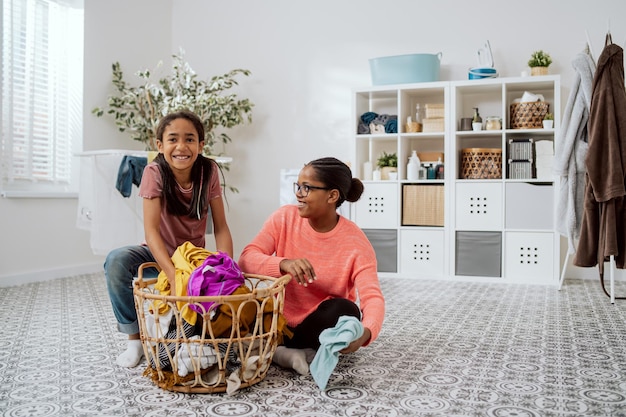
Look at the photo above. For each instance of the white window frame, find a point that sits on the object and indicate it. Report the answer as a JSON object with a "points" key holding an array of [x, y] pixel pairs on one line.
{"points": [[42, 97]]}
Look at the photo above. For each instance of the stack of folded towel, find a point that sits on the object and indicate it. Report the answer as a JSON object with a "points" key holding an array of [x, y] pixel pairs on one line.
{"points": [[544, 155]]}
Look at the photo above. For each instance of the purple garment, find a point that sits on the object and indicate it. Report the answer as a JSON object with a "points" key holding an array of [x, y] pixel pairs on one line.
{"points": [[218, 275]]}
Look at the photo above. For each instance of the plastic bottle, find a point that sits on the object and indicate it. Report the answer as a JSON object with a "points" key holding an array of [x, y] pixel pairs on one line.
{"points": [[439, 169], [430, 172], [477, 118], [413, 167], [477, 121]]}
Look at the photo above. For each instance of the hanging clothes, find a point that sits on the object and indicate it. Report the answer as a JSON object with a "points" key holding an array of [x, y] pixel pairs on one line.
{"points": [[571, 150], [603, 227]]}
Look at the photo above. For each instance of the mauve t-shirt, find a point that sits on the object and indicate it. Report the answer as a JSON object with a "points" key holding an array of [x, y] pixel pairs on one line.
{"points": [[176, 230]]}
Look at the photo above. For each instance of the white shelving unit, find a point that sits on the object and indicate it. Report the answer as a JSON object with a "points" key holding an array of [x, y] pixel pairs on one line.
{"points": [[490, 228]]}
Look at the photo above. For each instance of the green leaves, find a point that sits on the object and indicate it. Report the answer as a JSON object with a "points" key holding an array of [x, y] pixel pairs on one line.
{"points": [[138, 109], [540, 59], [387, 160]]}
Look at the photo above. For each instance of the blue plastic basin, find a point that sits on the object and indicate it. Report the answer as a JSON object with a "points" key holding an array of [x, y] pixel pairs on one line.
{"points": [[478, 73], [403, 69]]}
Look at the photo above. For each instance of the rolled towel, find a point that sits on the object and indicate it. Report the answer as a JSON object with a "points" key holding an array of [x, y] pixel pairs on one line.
{"points": [[391, 126], [368, 117], [381, 119], [363, 129], [375, 128]]}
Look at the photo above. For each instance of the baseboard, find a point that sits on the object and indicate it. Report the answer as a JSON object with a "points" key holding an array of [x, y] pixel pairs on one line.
{"points": [[48, 274], [577, 272]]}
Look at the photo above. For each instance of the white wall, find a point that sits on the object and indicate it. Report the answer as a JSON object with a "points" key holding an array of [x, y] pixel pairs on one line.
{"points": [[38, 237], [305, 59]]}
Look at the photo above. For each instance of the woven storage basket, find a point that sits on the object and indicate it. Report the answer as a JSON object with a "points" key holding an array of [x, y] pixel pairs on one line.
{"points": [[481, 163], [528, 115], [433, 125], [434, 111], [236, 344], [422, 205]]}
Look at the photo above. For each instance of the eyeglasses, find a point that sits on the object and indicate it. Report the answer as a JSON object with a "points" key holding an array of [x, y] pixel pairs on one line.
{"points": [[305, 189]]}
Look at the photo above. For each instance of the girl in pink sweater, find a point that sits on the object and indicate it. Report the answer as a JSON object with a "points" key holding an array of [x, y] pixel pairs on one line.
{"points": [[329, 257]]}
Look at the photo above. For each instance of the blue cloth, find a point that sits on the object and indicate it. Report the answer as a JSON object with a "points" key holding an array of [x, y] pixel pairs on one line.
{"points": [[332, 340], [129, 173], [391, 126], [368, 117]]}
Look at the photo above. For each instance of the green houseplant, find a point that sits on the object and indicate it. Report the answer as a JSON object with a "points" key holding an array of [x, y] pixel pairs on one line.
{"points": [[548, 121], [387, 160], [539, 62], [138, 109], [388, 163]]}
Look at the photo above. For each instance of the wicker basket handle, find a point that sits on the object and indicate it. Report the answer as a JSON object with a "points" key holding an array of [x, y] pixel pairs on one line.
{"points": [[283, 280]]}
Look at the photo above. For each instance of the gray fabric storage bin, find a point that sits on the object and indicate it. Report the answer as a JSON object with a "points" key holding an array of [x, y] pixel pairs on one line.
{"points": [[385, 243], [479, 254]]}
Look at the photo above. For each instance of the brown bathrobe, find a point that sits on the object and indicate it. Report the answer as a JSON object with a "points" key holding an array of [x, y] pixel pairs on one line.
{"points": [[603, 226]]}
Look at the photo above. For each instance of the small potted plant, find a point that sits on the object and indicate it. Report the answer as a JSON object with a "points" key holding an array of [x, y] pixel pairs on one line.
{"points": [[548, 121], [388, 164], [539, 62]]}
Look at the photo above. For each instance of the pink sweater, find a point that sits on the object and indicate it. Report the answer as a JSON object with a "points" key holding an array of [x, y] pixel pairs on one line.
{"points": [[343, 258]]}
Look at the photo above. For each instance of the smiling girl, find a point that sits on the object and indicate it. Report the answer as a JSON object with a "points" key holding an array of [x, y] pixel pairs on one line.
{"points": [[331, 261], [177, 188]]}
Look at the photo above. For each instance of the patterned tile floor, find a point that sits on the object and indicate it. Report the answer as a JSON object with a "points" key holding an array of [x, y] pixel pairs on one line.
{"points": [[447, 349]]}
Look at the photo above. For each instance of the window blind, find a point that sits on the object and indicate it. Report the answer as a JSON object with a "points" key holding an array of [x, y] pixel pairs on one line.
{"points": [[42, 88]]}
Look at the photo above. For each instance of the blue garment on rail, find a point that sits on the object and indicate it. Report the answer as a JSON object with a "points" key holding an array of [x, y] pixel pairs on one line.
{"points": [[129, 173], [332, 340]]}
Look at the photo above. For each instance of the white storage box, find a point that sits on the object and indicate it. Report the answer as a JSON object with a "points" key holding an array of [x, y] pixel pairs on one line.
{"points": [[422, 252], [478, 206], [378, 207]]}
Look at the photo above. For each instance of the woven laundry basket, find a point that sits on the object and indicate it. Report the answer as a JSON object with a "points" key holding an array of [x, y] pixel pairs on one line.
{"points": [[528, 115], [481, 163], [226, 346]]}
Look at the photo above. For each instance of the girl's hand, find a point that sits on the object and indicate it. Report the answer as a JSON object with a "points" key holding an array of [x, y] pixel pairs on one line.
{"points": [[355, 345], [300, 269]]}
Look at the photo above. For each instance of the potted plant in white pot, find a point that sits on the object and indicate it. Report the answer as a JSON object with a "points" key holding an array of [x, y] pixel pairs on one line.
{"points": [[548, 121], [138, 109]]}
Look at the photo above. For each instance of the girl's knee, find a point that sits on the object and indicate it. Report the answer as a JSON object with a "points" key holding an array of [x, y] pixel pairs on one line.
{"points": [[341, 307], [117, 265]]}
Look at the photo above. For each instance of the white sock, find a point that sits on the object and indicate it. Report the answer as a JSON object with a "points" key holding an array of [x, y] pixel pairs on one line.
{"points": [[310, 354], [291, 358], [132, 355]]}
